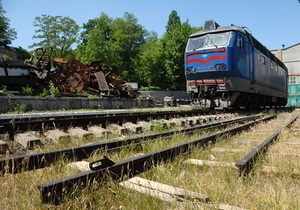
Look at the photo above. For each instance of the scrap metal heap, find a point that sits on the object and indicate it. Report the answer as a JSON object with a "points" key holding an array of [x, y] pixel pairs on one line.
{"points": [[72, 76]]}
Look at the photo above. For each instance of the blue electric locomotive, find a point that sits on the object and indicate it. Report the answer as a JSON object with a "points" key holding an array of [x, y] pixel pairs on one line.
{"points": [[228, 67]]}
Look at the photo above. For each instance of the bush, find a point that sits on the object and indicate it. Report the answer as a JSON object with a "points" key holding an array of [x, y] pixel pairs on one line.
{"points": [[149, 88], [54, 92], [28, 91]]}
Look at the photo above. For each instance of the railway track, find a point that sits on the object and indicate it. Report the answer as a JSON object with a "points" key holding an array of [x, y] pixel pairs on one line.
{"points": [[52, 192], [25, 132], [17, 164], [107, 168], [11, 124]]}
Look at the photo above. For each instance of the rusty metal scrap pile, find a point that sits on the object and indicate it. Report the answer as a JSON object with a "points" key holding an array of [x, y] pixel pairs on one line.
{"points": [[73, 76]]}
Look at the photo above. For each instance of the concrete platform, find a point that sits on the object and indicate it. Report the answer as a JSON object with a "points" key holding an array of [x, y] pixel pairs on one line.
{"points": [[69, 103], [27, 140]]}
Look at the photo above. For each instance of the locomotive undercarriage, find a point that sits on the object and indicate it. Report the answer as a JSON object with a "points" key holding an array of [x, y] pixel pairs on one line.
{"points": [[210, 97], [215, 97]]}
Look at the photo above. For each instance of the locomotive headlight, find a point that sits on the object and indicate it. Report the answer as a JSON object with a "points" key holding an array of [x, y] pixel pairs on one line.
{"points": [[218, 67], [191, 69], [221, 66]]}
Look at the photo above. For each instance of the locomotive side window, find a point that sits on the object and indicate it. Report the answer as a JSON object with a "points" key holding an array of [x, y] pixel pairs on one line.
{"points": [[258, 56], [263, 60], [240, 41], [271, 65]]}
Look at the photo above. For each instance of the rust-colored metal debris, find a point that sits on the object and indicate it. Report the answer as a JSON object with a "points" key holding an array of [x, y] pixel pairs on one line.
{"points": [[68, 76]]}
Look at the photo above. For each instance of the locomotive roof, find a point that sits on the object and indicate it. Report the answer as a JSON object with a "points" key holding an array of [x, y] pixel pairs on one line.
{"points": [[219, 29], [210, 26]]}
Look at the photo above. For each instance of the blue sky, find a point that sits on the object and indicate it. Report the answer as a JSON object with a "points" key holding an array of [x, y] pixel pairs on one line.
{"points": [[272, 22]]}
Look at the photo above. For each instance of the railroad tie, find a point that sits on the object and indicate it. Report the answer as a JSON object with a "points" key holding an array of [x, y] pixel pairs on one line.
{"points": [[198, 162], [79, 134], [173, 194], [57, 136], [27, 140], [98, 131], [116, 129], [146, 125], [162, 191], [133, 128], [3, 147]]}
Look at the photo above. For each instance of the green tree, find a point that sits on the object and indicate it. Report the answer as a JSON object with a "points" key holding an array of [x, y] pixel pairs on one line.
{"points": [[173, 20], [161, 63], [22, 54], [7, 34], [113, 41], [174, 43], [57, 32], [149, 64], [126, 40], [94, 41]]}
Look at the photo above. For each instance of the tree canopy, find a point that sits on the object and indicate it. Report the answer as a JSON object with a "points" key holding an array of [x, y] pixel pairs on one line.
{"points": [[162, 62], [137, 55], [55, 31], [7, 34], [113, 41]]}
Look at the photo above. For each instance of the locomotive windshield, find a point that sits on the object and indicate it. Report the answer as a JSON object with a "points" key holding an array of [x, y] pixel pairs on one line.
{"points": [[208, 41]]}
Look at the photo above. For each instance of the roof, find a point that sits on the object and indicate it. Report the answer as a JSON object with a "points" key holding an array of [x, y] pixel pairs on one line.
{"points": [[287, 48], [219, 29], [291, 46]]}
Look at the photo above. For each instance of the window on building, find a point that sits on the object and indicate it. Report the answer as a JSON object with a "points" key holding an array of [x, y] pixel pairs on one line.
{"points": [[297, 80], [292, 80]]}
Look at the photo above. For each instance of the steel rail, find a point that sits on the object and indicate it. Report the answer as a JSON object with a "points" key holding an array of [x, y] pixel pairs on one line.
{"points": [[53, 192], [64, 115], [41, 160], [245, 165]]}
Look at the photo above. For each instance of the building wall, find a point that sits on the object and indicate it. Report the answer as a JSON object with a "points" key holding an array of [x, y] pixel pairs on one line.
{"points": [[290, 56]]}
